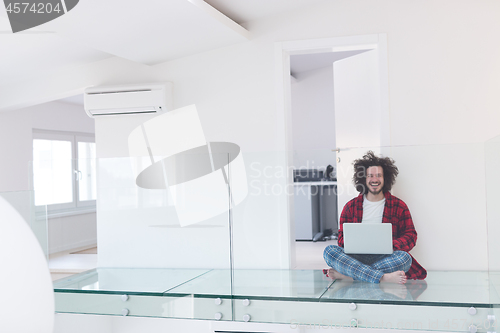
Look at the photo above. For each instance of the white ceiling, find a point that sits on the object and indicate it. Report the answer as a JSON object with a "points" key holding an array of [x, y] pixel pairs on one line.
{"points": [[243, 11], [150, 33], [78, 100]]}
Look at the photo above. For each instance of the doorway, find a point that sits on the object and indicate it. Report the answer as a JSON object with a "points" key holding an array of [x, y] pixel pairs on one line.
{"points": [[334, 106]]}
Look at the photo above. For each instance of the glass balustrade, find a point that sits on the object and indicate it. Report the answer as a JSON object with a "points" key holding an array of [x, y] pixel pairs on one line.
{"points": [[211, 235], [35, 216], [492, 167]]}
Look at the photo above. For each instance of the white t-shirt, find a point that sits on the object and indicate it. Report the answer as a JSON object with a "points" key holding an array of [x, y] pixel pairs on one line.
{"points": [[373, 211]]}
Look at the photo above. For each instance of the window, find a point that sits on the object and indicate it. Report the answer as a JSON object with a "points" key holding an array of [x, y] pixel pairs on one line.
{"points": [[64, 170]]}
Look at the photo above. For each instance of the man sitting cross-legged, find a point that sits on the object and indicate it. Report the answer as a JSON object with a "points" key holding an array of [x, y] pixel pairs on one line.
{"points": [[373, 178]]}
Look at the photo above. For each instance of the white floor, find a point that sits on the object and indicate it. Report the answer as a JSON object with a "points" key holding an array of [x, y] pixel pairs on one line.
{"points": [[309, 255], [66, 263]]}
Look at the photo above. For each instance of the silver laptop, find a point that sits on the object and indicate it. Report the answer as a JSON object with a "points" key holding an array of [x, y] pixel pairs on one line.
{"points": [[367, 238]]}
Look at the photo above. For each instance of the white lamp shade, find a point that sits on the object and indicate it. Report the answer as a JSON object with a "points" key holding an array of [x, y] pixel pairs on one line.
{"points": [[200, 176], [27, 294]]}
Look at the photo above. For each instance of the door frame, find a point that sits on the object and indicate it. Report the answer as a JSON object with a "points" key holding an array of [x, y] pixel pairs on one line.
{"points": [[283, 51]]}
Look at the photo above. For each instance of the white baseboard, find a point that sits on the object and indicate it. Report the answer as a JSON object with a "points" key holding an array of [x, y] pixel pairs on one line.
{"points": [[77, 246]]}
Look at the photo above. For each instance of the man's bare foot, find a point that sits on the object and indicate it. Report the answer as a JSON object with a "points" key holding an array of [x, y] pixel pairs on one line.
{"points": [[336, 275], [394, 277]]}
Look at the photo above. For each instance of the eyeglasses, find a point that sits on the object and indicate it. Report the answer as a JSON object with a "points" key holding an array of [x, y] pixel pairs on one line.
{"points": [[378, 175]]}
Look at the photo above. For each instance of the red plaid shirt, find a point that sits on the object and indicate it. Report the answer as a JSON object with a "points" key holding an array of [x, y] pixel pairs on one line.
{"points": [[397, 213]]}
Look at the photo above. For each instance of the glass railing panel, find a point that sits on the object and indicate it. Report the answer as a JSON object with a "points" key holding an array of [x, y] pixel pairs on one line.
{"points": [[238, 240], [253, 283], [215, 283], [35, 217], [337, 315], [444, 187], [258, 182], [280, 284], [40, 226], [457, 288], [70, 219], [492, 167], [153, 281], [445, 196], [172, 213], [162, 222]]}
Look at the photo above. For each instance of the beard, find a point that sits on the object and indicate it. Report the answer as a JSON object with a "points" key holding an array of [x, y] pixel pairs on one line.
{"points": [[374, 192]]}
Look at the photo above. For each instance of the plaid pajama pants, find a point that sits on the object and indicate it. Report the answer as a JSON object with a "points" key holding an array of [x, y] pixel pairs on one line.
{"points": [[336, 258]]}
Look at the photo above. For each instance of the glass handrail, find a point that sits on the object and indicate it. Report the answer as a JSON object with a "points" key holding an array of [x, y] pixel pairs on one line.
{"points": [[247, 252]]}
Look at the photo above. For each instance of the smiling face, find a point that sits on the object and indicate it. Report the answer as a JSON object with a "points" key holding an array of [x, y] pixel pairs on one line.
{"points": [[375, 179]]}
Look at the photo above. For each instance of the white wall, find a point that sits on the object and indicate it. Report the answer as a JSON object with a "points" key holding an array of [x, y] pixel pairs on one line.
{"points": [[440, 92], [313, 118], [445, 189], [72, 232], [140, 227], [444, 76], [16, 149], [358, 115]]}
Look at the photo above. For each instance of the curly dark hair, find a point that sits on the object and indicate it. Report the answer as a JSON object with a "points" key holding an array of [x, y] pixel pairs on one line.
{"points": [[361, 165]]}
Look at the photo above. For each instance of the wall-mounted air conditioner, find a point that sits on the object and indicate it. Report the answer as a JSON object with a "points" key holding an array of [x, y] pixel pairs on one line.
{"points": [[128, 99]]}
